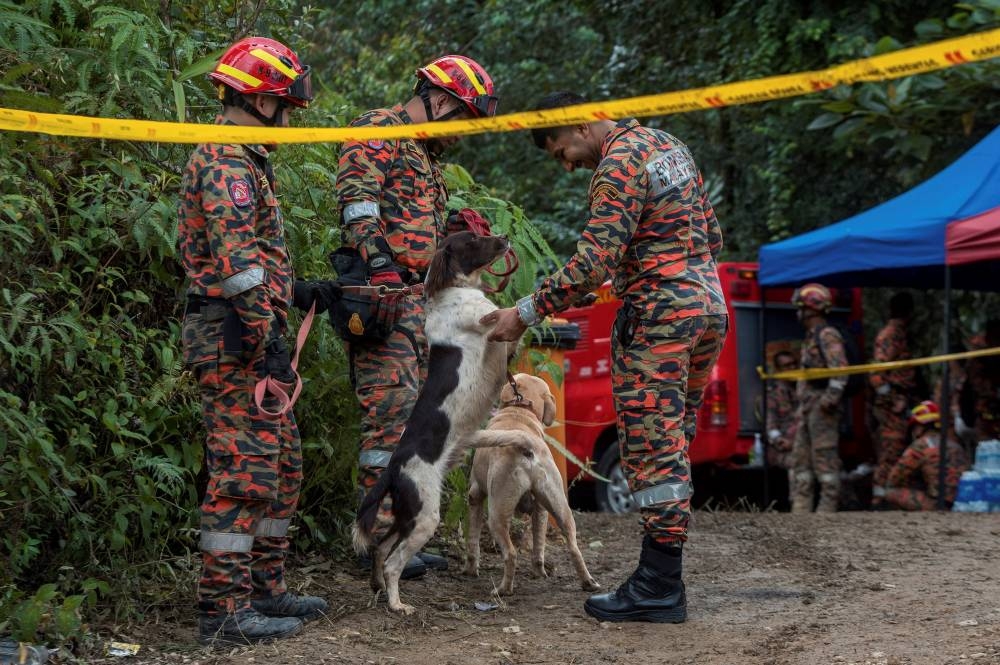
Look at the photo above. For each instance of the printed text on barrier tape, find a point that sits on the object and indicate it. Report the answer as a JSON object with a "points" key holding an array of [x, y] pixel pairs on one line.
{"points": [[827, 372], [905, 62]]}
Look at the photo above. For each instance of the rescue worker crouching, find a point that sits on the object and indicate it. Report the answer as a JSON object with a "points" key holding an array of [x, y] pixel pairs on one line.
{"points": [[392, 198], [913, 482], [815, 453], [232, 247]]}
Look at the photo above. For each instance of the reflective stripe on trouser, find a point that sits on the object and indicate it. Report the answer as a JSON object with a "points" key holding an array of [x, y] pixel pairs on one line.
{"points": [[255, 472], [910, 499], [658, 380], [387, 379], [890, 440], [815, 457]]}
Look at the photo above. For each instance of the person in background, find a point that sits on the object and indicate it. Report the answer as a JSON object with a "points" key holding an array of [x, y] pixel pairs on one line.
{"points": [[231, 243], [894, 391], [653, 231], [392, 198], [815, 454], [912, 483], [781, 407], [983, 385]]}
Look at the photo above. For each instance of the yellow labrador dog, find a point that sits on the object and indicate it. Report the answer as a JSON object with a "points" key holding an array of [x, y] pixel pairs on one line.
{"points": [[521, 477]]}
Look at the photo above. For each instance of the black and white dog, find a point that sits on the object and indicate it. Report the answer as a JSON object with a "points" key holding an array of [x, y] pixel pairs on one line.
{"points": [[465, 373]]}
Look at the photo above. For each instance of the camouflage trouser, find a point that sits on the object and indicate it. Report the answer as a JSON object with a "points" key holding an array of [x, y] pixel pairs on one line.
{"points": [[815, 456], [254, 475], [658, 378], [909, 499], [387, 378], [890, 438]]}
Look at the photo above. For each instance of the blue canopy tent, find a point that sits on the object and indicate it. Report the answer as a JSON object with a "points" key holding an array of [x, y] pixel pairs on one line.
{"points": [[914, 240], [901, 242]]}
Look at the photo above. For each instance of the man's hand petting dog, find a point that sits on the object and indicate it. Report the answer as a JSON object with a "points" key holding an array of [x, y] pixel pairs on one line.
{"points": [[509, 326]]}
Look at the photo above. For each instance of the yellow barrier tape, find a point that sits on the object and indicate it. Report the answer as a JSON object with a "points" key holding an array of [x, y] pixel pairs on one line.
{"points": [[905, 62], [827, 372]]}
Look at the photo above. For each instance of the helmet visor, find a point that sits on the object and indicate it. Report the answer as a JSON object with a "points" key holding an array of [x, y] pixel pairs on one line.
{"points": [[300, 91], [485, 105]]}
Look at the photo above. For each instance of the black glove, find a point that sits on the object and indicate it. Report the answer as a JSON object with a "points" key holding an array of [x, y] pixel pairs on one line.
{"points": [[277, 361], [323, 292]]}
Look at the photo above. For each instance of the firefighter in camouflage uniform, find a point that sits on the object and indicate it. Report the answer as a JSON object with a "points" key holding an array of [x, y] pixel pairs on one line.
{"points": [[781, 409], [231, 244], [815, 454], [912, 483], [392, 198], [653, 231], [893, 391]]}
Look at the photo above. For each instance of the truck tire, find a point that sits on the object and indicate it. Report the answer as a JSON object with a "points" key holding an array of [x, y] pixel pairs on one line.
{"points": [[613, 497]]}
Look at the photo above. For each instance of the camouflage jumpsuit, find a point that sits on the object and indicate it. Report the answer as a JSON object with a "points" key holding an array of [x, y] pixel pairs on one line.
{"points": [[815, 454], [891, 408], [781, 423], [231, 244], [983, 379], [392, 198], [912, 483], [653, 229]]}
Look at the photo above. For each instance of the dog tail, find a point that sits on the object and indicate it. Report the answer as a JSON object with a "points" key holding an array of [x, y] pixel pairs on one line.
{"points": [[504, 438], [364, 525]]}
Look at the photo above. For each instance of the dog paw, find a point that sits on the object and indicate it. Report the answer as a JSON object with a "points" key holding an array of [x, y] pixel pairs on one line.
{"points": [[538, 569], [403, 608], [471, 571], [590, 584]]}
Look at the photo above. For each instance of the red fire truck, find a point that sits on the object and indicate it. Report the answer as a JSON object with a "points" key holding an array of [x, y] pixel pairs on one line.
{"points": [[731, 413]]}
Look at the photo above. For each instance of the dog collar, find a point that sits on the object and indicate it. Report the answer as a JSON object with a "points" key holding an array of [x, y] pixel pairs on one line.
{"points": [[524, 403]]}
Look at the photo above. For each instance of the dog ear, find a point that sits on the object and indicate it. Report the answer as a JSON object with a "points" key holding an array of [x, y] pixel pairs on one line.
{"points": [[441, 274], [549, 413]]}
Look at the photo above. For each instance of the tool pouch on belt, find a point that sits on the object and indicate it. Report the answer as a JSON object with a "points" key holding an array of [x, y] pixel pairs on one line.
{"points": [[363, 313], [625, 324]]}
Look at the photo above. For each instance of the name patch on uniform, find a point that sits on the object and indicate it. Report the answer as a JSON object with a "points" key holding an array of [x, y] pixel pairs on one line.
{"points": [[671, 170], [239, 192]]}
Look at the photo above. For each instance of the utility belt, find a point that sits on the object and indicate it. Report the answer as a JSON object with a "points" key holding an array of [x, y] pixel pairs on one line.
{"points": [[366, 313]]}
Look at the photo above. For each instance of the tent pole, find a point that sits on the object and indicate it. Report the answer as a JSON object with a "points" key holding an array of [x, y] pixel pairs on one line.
{"points": [[945, 405], [765, 443]]}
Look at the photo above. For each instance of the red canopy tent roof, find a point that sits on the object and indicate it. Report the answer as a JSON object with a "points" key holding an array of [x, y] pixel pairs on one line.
{"points": [[972, 239]]}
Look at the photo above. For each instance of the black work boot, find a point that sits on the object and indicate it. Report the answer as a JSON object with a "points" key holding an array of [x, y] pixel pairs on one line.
{"points": [[415, 567], [654, 592], [245, 626], [288, 604], [433, 561]]}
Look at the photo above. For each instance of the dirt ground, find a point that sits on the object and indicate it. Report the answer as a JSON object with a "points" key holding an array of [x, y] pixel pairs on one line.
{"points": [[775, 588]]}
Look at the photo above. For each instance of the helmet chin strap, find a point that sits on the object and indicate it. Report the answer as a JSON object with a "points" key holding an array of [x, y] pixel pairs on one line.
{"points": [[425, 96], [268, 122]]}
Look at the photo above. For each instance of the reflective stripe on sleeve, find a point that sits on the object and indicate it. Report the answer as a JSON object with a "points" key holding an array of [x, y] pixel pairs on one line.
{"points": [[242, 281], [374, 458], [666, 492], [217, 541], [355, 211], [271, 528]]}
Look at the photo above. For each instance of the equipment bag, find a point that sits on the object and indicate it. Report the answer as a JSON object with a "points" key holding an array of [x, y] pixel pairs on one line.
{"points": [[364, 313]]}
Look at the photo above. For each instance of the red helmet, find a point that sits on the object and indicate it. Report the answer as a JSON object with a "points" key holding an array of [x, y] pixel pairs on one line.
{"points": [[261, 65], [813, 295], [465, 79], [925, 413]]}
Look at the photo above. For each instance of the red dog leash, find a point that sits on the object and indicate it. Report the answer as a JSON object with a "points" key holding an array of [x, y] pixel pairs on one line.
{"points": [[285, 393]]}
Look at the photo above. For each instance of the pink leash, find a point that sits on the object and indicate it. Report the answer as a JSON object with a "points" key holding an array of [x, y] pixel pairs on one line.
{"points": [[278, 389]]}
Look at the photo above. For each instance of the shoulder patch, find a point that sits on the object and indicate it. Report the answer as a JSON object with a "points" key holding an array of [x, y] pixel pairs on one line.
{"points": [[606, 191], [375, 144], [239, 192]]}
